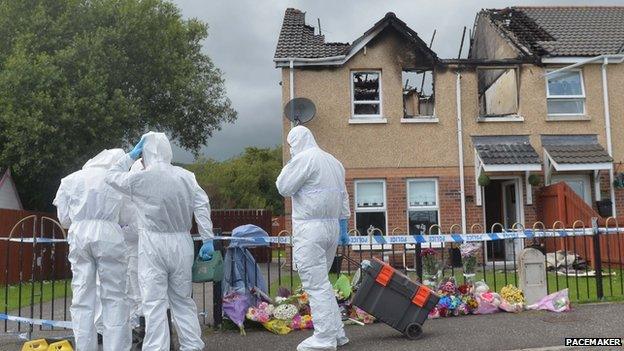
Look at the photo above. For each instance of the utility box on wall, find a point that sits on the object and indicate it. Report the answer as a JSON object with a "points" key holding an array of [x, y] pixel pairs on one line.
{"points": [[532, 274]]}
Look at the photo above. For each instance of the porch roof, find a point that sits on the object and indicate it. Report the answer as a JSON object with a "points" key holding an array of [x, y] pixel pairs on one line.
{"points": [[506, 153], [576, 152]]}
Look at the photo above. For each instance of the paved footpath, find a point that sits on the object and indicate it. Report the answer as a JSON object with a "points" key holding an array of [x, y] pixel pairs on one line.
{"points": [[534, 330], [501, 331]]}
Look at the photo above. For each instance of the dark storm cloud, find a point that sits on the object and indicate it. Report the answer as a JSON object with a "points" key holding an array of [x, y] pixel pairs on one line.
{"points": [[243, 34]]}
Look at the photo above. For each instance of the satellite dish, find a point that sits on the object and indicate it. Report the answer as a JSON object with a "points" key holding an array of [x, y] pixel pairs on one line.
{"points": [[300, 110]]}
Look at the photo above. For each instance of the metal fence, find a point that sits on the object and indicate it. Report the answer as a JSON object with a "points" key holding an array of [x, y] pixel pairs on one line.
{"points": [[37, 297]]}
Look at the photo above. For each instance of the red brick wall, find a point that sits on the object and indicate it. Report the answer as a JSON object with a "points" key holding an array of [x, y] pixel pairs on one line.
{"points": [[449, 198]]}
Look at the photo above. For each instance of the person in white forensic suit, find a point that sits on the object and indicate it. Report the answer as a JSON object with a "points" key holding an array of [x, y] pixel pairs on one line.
{"points": [[133, 294], [166, 197], [320, 210], [92, 210]]}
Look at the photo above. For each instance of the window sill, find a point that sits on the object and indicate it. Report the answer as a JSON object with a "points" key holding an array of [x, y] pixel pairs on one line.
{"points": [[557, 118], [420, 119], [368, 120], [510, 118]]}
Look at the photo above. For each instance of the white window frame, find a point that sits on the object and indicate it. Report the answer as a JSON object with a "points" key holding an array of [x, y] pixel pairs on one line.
{"points": [[411, 208], [366, 102], [567, 97], [357, 210]]}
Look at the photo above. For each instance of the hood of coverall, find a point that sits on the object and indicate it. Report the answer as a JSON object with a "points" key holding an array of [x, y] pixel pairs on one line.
{"points": [[104, 159], [300, 139], [156, 149]]}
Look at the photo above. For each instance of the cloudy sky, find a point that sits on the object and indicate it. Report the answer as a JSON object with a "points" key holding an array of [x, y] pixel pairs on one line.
{"points": [[243, 35]]}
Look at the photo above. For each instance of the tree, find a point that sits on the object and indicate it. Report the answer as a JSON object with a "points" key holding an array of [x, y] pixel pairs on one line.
{"points": [[78, 76], [247, 181]]}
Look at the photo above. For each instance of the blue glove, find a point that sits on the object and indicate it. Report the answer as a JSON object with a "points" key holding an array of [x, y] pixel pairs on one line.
{"points": [[344, 234], [138, 150], [206, 251]]}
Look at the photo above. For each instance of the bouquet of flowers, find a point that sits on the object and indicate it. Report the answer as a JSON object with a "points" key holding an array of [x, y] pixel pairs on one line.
{"points": [[360, 315], [285, 311], [470, 302], [300, 322], [430, 267], [430, 262], [469, 253], [512, 299], [262, 313]]}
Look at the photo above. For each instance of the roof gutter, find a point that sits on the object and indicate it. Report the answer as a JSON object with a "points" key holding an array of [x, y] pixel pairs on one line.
{"points": [[606, 58], [290, 61]]}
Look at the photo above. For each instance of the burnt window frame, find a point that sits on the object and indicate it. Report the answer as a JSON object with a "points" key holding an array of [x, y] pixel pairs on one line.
{"points": [[485, 116]]}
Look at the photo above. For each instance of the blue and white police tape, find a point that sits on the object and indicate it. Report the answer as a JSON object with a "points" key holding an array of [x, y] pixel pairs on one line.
{"points": [[31, 240], [396, 239], [42, 322], [441, 238]]}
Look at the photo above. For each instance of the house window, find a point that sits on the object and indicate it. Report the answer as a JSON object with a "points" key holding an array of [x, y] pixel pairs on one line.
{"points": [[422, 205], [418, 93], [366, 94], [565, 93], [498, 91], [580, 183], [370, 206]]}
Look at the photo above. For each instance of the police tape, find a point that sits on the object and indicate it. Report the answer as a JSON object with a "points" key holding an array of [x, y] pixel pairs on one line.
{"points": [[396, 239], [34, 321], [439, 238]]}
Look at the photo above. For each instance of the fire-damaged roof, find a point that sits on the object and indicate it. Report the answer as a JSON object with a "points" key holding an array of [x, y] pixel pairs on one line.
{"points": [[298, 41], [562, 31], [505, 150], [575, 149]]}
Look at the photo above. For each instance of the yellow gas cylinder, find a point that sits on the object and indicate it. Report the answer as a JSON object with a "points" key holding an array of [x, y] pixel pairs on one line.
{"points": [[62, 345], [35, 345]]}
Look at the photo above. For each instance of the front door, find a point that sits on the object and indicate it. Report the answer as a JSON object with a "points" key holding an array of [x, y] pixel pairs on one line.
{"points": [[511, 210], [503, 205]]}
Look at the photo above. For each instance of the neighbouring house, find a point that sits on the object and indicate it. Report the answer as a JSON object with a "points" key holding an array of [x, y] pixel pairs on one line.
{"points": [[9, 197], [466, 143]]}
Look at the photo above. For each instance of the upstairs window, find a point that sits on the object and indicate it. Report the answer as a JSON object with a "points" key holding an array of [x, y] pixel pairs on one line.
{"points": [[418, 93], [366, 94], [565, 93], [498, 91]]}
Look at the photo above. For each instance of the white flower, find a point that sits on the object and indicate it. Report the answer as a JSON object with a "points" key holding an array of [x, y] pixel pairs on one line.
{"points": [[285, 311]]}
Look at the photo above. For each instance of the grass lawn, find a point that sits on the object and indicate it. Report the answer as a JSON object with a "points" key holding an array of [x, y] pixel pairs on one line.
{"points": [[586, 286], [42, 292]]}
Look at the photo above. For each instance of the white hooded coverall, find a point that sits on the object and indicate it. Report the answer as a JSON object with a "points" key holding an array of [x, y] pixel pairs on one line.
{"points": [[316, 182], [167, 197], [133, 294], [131, 232], [92, 209]]}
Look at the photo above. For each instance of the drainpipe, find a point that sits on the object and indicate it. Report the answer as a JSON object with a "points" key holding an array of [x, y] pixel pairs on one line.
{"points": [[607, 116], [460, 144], [291, 85]]}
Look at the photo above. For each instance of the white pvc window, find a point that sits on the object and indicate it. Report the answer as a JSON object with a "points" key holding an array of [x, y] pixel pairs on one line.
{"points": [[366, 94], [565, 93], [422, 205], [370, 207]]}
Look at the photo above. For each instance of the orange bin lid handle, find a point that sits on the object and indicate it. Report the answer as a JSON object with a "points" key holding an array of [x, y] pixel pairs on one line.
{"points": [[421, 296], [385, 274]]}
